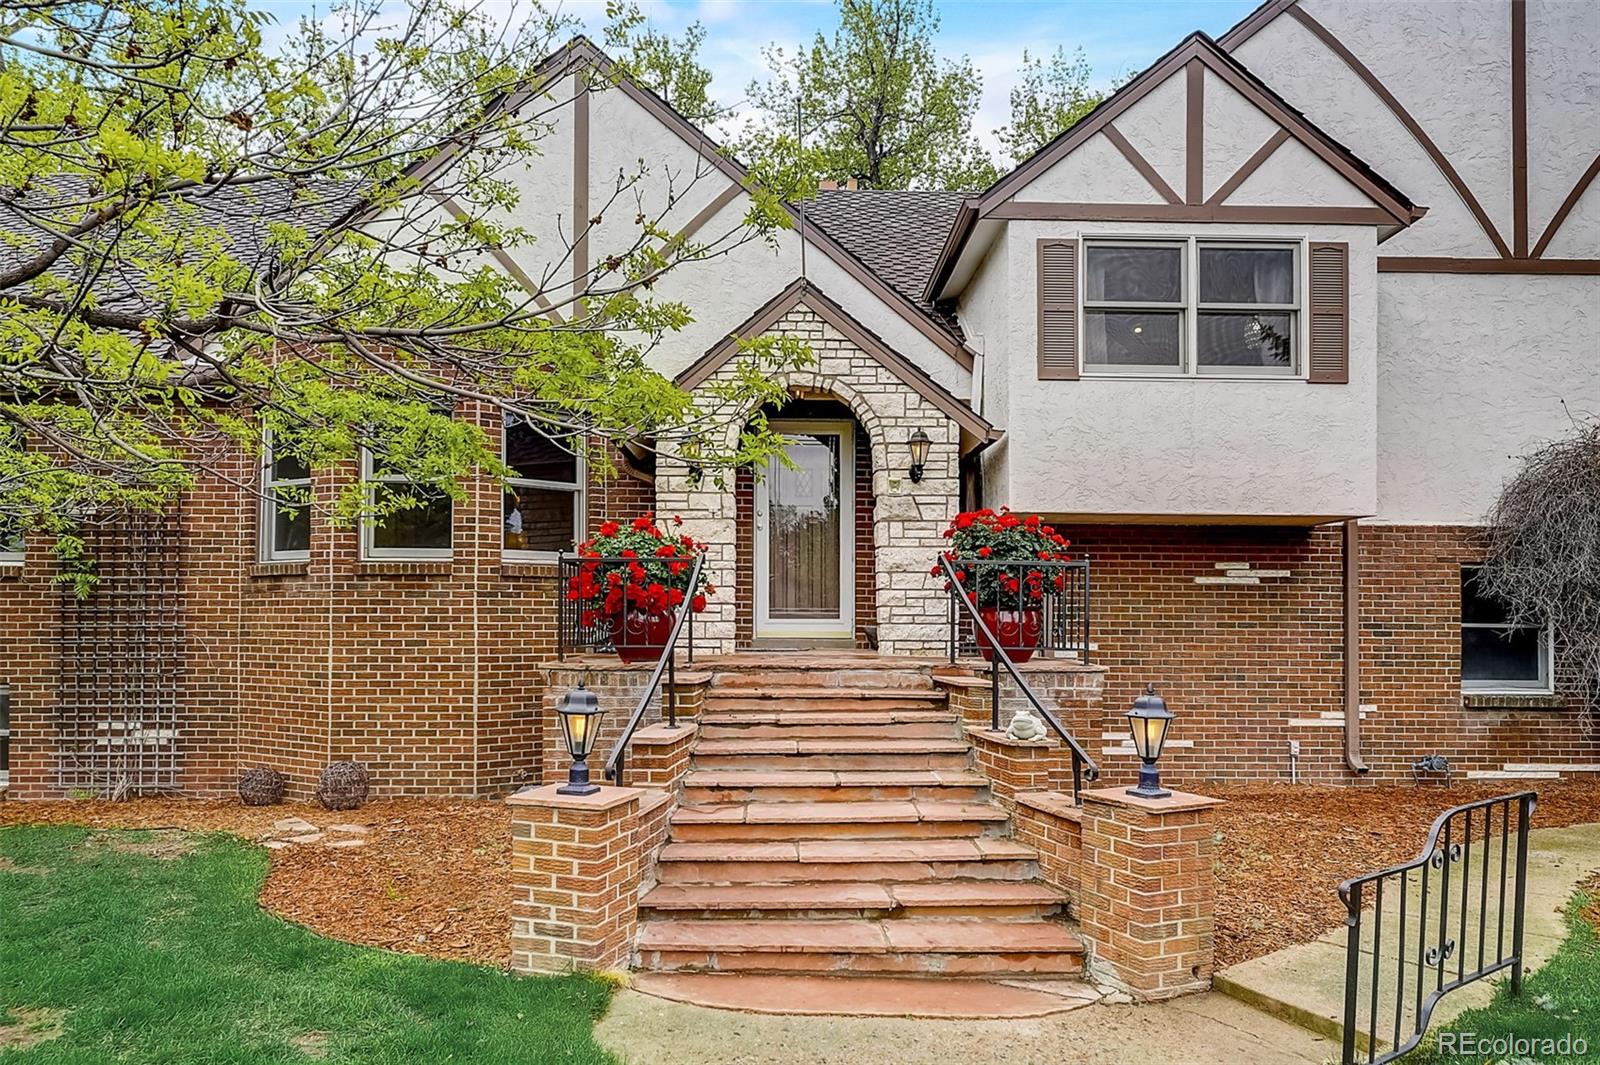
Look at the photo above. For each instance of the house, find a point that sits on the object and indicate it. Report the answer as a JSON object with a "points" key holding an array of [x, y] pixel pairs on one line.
{"points": [[1262, 335]]}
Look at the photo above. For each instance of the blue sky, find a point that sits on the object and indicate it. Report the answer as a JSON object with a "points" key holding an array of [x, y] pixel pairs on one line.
{"points": [[1117, 36]]}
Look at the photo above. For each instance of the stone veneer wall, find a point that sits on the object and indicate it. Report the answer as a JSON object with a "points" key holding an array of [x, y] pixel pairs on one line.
{"points": [[908, 521]]}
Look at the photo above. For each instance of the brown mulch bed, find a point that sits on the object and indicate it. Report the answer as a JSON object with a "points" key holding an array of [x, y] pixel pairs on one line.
{"points": [[434, 877], [1284, 849]]}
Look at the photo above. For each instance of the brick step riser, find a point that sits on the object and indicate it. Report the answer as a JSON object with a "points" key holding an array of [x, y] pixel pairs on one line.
{"points": [[694, 872], [710, 729], [918, 964], [702, 796], [823, 679], [736, 833], [838, 762], [984, 912]]}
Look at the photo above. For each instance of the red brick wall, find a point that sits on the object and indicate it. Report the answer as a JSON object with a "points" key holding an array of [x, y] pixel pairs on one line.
{"points": [[1247, 668]]}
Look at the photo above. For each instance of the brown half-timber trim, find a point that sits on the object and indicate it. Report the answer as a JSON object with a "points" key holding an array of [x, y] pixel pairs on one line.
{"points": [[1427, 264], [1254, 22], [1251, 165], [802, 291], [1361, 71], [1182, 212], [507, 263], [582, 52], [708, 212], [580, 186], [1194, 138], [1566, 206], [1519, 127], [1141, 164]]}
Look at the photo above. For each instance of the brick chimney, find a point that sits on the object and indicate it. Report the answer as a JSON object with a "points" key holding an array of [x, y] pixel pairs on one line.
{"points": [[827, 185], [850, 184]]}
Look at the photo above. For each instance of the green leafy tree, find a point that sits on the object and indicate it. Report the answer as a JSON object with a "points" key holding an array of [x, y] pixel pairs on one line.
{"points": [[202, 238], [1049, 97], [875, 102], [669, 67]]}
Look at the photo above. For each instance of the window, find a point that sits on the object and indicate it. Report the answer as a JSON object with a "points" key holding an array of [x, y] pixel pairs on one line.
{"points": [[544, 504], [1496, 655], [1191, 307], [5, 734], [285, 507], [421, 530]]}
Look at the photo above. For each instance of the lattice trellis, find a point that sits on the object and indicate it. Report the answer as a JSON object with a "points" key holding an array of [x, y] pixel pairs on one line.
{"points": [[121, 655]]}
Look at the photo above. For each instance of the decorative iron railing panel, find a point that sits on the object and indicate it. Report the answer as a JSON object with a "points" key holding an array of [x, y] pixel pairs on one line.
{"points": [[1448, 917], [1055, 604], [963, 607]]}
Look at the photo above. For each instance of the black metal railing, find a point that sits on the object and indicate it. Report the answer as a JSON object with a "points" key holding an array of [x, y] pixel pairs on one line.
{"points": [[1430, 899], [1068, 612], [1057, 598], [581, 628]]}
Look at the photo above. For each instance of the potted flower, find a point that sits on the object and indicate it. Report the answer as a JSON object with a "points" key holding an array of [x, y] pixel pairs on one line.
{"points": [[1009, 598], [639, 593]]}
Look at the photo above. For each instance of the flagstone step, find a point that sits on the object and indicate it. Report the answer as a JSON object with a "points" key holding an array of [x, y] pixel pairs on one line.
{"points": [[705, 786], [993, 899], [835, 820], [831, 753], [887, 860], [873, 675], [933, 725], [932, 945]]}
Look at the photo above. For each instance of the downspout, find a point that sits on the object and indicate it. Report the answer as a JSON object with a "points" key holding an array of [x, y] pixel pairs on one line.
{"points": [[1352, 647]]}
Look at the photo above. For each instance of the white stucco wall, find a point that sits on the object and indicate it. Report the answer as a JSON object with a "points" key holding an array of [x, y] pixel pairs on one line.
{"points": [[1462, 392], [1187, 446]]}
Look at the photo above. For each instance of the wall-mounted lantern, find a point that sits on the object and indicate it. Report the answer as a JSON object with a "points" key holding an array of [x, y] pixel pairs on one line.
{"points": [[919, 444]]}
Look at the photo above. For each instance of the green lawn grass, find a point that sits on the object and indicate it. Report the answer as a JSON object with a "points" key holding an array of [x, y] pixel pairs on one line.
{"points": [[1560, 999], [138, 957]]}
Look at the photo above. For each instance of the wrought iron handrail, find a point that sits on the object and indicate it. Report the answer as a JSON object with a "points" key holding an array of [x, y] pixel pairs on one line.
{"points": [[1083, 766], [1441, 852], [667, 664]]}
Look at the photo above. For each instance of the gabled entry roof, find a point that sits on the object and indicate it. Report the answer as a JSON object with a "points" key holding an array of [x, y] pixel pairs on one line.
{"points": [[1198, 53], [800, 291]]}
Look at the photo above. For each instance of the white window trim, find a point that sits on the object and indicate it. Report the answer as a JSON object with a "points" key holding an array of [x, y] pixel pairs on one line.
{"points": [[267, 511], [371, 552], [1188, 340], [1547, 665], [578, 488]]}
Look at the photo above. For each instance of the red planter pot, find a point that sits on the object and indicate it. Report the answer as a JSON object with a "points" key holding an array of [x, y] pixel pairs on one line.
{"points": [[1017, 632], [641, 635]]}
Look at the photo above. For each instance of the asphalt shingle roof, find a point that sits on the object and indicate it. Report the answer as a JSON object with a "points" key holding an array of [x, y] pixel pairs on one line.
{"points": [[895, 233]]}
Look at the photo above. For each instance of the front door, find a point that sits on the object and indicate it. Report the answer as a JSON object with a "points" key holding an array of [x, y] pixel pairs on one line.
{"points": [[805, 535]]}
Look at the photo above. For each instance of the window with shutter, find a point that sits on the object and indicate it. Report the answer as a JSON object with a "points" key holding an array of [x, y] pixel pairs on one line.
{"points": [[1058, 310], [1329, 305]]}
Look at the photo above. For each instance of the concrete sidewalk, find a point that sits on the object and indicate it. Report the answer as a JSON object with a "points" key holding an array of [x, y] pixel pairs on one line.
{"points": [[1305, 984], [1206, 1029]]}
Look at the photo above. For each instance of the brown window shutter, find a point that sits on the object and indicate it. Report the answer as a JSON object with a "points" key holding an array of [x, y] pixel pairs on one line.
{"points": [[1329, 360], [1058, 310]]}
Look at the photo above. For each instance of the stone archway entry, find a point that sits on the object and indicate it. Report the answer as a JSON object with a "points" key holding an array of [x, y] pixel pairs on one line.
{"points": [[804, 586]]}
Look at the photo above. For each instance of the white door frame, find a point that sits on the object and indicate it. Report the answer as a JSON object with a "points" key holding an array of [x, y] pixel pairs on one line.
{"points": [[843, 627]]}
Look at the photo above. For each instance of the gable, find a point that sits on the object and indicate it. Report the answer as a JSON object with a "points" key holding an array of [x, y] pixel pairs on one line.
{"points": [[1196, 137]]}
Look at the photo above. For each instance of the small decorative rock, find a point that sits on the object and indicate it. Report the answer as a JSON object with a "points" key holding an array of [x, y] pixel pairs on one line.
{"points": [[1024, 726], [261, 786], [343, 786]]}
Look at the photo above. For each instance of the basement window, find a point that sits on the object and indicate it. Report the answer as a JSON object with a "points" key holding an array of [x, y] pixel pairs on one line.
{"points": [[544, 500], [419, 530], [285, 534], [5, 735], [1497, 656]]}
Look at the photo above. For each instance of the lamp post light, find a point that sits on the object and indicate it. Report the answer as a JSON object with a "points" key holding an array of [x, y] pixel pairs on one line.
{"points": [[1148, 721], [919, 444], [580, 719]]}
